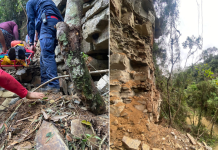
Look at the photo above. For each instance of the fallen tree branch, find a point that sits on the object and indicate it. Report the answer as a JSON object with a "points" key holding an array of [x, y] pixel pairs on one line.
{"points": [[27, 118], [26, 137], [99, 71], [102, 141], [32, 91], [14, 112], [50, 81]]}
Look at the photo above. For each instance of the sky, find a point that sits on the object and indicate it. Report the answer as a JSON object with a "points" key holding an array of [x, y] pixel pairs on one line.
{"points": [[188, 24]]}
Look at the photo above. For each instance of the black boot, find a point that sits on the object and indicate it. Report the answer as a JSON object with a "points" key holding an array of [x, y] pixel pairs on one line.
{"points": [[21, 53], [11, 54]]}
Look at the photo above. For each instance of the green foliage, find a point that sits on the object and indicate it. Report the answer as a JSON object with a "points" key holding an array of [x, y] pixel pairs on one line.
{"points": [[86, 140], [85, 56], [12, 10], [194, 88], [204, 72]]}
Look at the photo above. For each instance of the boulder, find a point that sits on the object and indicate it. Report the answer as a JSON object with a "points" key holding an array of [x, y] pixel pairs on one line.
{"points": [[1, 93], [97, 8], [117, 109], [128, 19], [145, 9], [191, 139], [78, 129], [87, 6], [5, 103], [103, 84], [92, 27], [115, 88], [119, 61], [120, 75], [9, 94], [145, 147], [130, 143], [24, 75], [56, 140], [101, 42], [127, 94], [115, 100], [142, 76], [144, 29]]}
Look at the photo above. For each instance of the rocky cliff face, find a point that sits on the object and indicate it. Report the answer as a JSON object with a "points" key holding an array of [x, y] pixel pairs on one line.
{"points": [[135, 101], [95, 38]]}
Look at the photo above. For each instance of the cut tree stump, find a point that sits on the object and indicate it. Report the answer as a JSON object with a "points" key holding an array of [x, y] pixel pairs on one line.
{"points": [[69, 38]]}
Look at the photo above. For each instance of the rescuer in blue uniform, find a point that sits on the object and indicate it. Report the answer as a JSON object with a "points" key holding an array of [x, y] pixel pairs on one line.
{"points": [[43, 15]]}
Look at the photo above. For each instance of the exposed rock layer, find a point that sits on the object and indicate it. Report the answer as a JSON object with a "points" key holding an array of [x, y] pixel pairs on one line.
{"points": [[135, 101]]}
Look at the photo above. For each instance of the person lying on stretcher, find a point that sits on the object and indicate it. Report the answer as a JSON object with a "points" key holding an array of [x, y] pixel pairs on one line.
{"points": [[18, 52], [10, 83]]}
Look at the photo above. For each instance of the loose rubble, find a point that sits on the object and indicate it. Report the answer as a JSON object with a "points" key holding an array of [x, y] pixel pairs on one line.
{"points": [[52, 115]]}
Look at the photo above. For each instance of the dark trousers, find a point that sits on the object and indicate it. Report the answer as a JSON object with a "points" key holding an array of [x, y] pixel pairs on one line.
{"points": [[48, 66]]}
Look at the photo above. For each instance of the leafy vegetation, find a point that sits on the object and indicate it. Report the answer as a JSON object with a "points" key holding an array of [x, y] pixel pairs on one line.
{"points": [[187, 91], [14, 10]]}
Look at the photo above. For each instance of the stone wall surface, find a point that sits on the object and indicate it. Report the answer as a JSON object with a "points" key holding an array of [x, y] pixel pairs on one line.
{"points": [[95, 37], [135, 101]]}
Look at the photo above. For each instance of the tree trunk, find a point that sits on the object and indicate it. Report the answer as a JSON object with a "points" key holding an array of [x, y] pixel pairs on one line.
{"points": [[213, 122], [69, 38], [200, 115]]}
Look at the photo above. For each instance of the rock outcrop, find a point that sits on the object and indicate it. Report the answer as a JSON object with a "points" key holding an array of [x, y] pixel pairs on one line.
{"points": [[135, 101], [95, 41]]}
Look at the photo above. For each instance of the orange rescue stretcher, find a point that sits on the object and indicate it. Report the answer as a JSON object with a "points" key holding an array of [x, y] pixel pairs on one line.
{"points": [[16, 64]]}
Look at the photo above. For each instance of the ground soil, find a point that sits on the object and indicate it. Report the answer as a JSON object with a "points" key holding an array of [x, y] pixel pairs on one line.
{"points": [[136, 125], [59, 105]]}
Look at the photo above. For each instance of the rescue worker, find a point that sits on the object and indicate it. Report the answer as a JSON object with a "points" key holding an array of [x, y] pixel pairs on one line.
{"points": [[8, 33], [10, 83], [46, 15]]}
